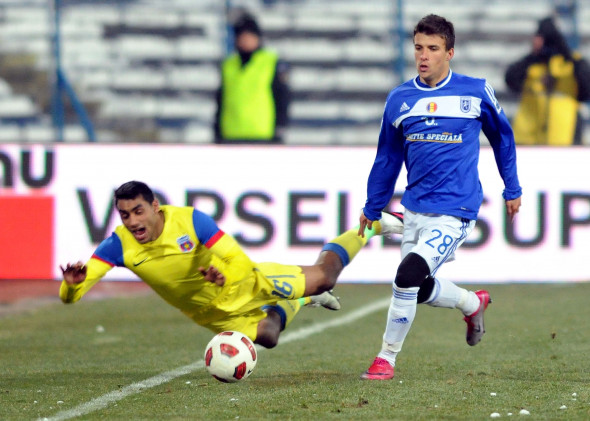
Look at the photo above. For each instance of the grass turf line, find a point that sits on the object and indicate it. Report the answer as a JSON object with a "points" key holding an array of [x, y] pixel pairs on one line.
{"points": [[114, 396], [533, 357]]}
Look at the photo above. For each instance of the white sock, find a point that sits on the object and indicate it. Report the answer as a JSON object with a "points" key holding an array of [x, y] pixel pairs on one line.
{"points": [[400, 316], [448, 295], [470, 304], [387, 354]]}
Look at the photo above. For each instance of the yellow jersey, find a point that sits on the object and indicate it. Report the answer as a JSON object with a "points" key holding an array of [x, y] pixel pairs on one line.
{"points": [[170, 266]]}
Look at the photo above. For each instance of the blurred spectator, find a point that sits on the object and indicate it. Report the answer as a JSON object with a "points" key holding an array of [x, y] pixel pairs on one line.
{"points": [[553, 80], [253, 99]]}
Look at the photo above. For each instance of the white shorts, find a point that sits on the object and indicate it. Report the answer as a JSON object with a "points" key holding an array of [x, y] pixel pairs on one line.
{"points": [[434, 237]]}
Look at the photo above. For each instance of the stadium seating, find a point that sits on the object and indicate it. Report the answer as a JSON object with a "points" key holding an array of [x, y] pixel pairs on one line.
{"points": [[153, 66]]}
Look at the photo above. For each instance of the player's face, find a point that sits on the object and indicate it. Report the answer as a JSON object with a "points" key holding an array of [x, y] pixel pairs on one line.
{"points": [[141, 218], [432, 58]]}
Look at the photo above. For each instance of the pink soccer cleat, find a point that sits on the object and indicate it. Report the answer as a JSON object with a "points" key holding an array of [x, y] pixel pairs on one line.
{"points": [[475, 326], [379, 370]]}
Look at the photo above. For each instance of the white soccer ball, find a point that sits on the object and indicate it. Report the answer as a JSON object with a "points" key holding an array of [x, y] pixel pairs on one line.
{"points": [[230, 356]]}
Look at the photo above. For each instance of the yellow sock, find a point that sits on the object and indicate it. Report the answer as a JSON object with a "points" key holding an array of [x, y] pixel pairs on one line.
{"points": [[348, 244], [287, 309]]}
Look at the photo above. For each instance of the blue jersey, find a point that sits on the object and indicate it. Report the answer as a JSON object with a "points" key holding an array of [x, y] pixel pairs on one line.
{"points": [[435, 132]]}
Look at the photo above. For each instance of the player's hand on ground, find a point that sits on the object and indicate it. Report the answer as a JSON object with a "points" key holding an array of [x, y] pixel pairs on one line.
{"points": [[212, 274], [364, 223], [74, 274]]}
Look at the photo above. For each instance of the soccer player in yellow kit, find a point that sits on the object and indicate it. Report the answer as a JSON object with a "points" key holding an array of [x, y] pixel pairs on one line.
{"points": [[185, 258]]}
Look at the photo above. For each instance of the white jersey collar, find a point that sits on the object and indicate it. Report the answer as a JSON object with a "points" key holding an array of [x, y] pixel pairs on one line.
{"points": [[424, 87]]}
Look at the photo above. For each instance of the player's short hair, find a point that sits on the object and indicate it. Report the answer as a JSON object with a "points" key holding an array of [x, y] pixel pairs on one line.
{"points": [[437, 25], [133, 189]]}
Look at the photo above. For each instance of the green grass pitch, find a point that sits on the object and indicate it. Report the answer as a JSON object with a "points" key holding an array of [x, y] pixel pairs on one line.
{"points": [[136, 358]]}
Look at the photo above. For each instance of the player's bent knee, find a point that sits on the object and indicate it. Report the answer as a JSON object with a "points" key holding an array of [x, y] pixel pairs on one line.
{"points": [[269, 329], [319, 279], [426, 289], [326, 282], [412, 271], [267, 341]]}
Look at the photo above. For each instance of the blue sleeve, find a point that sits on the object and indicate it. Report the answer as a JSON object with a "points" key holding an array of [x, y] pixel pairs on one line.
{"points": [[205, 227], [496, 127], [110, 251], [386, 168]]}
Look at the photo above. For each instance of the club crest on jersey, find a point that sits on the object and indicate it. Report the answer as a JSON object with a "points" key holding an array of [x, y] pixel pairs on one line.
{"points": [[465, 104], [431, 107], [185, 243]]}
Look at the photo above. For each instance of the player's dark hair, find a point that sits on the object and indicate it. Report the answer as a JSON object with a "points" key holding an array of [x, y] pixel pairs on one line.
{"points": [[437, 25], [133, 189]]}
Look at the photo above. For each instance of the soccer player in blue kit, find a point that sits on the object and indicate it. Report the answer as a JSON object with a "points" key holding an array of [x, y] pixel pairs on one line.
{"points": [[432, 124]]}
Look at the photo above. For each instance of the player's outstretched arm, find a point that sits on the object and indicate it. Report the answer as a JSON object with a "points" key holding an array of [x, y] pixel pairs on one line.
{"points": [[79, 277], [74, 273]]}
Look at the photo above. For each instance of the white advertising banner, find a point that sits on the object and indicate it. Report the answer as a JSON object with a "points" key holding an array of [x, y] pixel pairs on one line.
{"points": [[283, 203]]}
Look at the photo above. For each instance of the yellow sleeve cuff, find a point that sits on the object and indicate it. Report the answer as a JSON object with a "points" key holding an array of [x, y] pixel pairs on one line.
{"points": [[95, 270]]}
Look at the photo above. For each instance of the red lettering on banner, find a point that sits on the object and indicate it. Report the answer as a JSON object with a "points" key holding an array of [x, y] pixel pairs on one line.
{"points": [[26, 237]]}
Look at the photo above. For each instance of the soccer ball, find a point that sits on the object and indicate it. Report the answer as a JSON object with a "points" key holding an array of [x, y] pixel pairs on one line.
{"points": [[230, 356]]}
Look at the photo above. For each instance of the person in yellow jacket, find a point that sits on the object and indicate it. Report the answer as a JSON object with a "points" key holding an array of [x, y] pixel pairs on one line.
{"points": [[194, 266], [253, 99], [552, 81]]}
